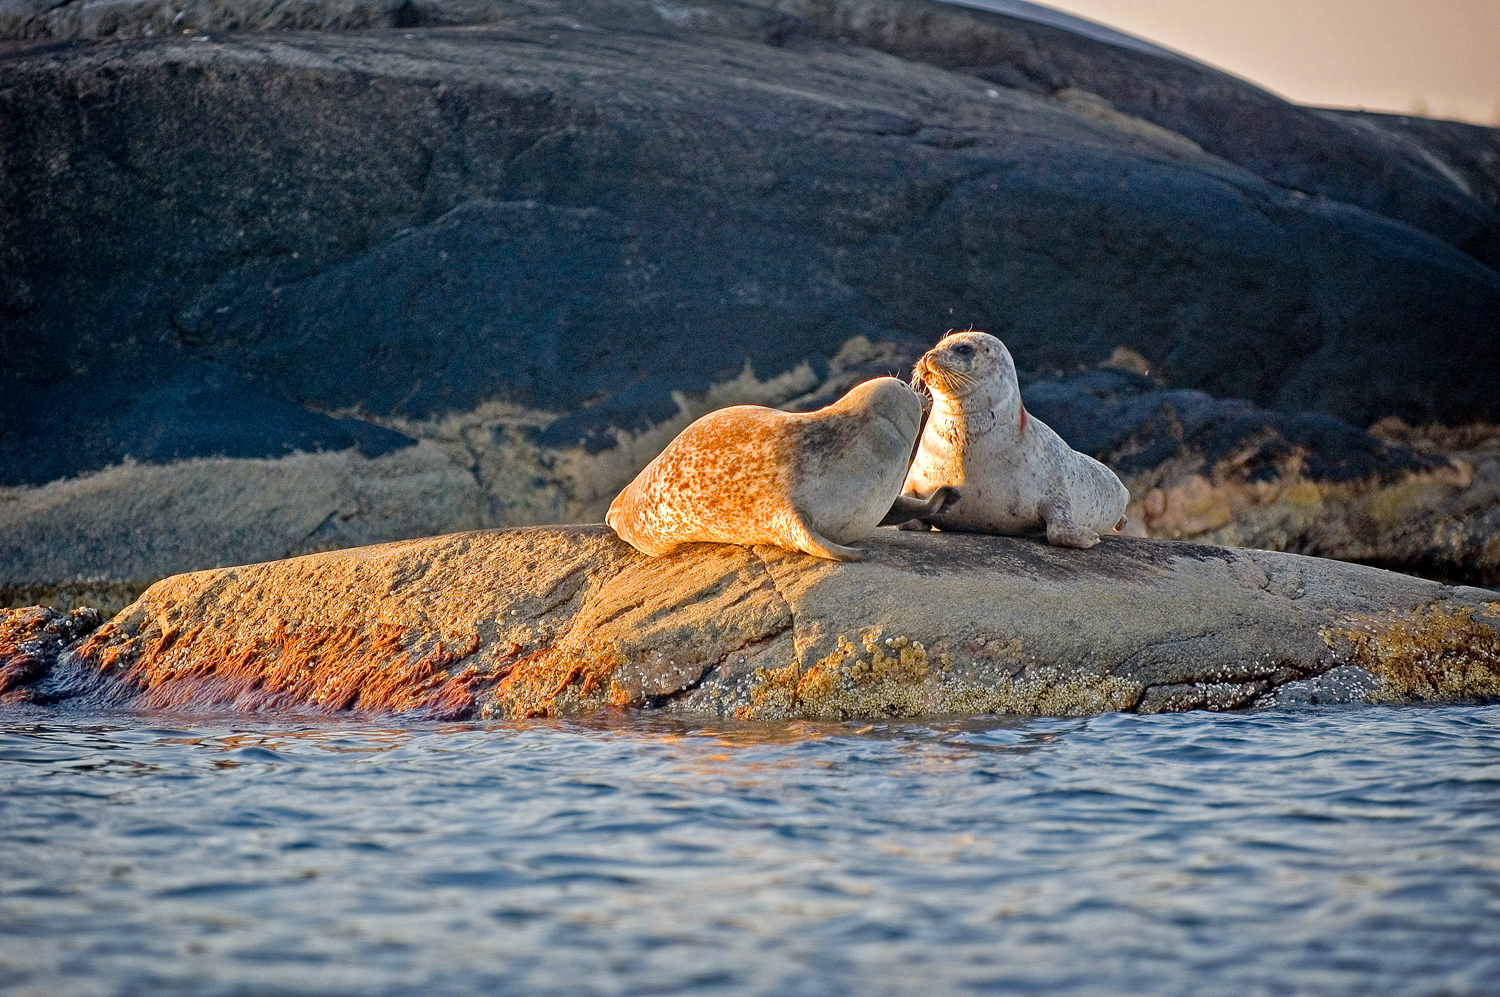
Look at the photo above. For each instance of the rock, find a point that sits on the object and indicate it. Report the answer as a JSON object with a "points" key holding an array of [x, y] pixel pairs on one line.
{"points": [[104, 595], [1346, 684], [139, 521], [1410, 169], [1469, 155], [31, 639], [271, 292], [570, 620], [1407, 173], [1210, 470], [1225, 472]]}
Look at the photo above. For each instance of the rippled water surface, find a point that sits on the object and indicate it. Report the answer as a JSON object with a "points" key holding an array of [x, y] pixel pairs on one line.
{"points": [[1326, 852]]}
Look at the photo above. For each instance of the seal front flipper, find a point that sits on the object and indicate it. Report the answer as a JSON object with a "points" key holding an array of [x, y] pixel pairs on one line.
{"points": [[801, 536], [909, 507], [1063, 532]]}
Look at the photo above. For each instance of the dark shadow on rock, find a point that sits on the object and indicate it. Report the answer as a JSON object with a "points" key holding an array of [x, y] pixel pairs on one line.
{"points": [[137, 412]]}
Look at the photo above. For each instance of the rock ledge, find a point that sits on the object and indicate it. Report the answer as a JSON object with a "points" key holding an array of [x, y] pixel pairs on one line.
{"points": [[570, 620]]}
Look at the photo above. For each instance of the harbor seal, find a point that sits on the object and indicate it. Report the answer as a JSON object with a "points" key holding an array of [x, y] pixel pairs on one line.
{"points": [[1016, 474], [808, 481]]}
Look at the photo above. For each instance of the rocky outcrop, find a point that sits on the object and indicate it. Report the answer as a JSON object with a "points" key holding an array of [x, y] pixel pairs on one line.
{"points": [[1410, 174], [31, 640], [103, 595], [1226, 472], [276, 291], [1418, 172], [1203, 469], [571, 620], [1468, 154], [1198, 468]]}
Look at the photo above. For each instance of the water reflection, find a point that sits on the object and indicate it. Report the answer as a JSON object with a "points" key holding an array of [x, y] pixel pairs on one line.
{"points": [[1320, 852]]}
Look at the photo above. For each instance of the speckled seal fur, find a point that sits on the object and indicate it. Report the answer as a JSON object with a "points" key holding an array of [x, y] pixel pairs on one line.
{"points": [[1015, 473], [808, 481]]}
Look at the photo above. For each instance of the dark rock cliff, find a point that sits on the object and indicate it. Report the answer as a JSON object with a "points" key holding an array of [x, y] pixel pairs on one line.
{"points": [[471, 264]]}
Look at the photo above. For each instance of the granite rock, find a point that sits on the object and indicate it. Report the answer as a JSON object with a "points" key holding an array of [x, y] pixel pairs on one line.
{"points": [[1223, 471], [295, 275], [571, 620]]}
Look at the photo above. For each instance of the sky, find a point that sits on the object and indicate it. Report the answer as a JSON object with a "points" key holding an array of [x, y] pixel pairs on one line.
{"points": [[1435, 57]]}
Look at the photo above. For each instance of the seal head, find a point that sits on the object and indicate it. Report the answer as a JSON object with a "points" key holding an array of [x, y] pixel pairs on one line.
{"points": [[975, 370], [1016, 475], [808, 481]]}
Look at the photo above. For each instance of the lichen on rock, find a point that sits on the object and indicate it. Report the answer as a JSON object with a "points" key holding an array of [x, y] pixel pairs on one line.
{"points": [[1438, 653], [898, 677]]}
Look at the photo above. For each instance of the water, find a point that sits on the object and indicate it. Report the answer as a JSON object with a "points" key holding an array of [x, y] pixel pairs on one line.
{"points": [[1324, 852]]}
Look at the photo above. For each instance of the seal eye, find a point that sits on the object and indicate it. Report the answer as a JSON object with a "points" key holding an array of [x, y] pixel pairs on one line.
{"points": [[963, 349]]}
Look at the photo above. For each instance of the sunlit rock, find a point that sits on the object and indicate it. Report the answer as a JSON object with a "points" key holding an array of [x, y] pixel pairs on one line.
{"points": [[570, 620]]}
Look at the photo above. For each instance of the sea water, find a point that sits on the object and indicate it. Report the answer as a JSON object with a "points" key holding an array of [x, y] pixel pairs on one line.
{"points": [[1328, 851]]}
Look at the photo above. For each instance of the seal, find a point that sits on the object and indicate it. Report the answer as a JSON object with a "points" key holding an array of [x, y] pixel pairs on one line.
{"points": [[1015, 473], [808, 481]]}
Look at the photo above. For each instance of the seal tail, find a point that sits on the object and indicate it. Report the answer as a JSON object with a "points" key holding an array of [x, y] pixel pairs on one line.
{"points": [[802, 537]]}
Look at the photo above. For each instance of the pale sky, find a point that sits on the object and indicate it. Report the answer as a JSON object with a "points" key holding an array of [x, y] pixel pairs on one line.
{"points": [[1434, 57]]}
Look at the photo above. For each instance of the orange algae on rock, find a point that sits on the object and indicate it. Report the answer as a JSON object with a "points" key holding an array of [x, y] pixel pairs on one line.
{"points": [[838, 683], [773, 694], [374, 667], [333, 668], [1439, 653], [551, 683]]}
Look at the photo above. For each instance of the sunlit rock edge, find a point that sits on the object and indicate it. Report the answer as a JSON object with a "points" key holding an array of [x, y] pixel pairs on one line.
{"points": [[571, 621]]}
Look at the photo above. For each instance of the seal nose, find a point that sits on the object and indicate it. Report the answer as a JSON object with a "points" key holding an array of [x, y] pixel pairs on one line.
{"points": [[933, 359]]}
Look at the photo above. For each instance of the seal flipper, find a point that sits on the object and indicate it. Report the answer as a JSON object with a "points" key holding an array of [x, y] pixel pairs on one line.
{"points": [[1063, 532], [909, 507], [803, 537]]}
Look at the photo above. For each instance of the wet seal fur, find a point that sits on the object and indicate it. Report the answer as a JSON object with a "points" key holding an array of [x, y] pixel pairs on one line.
{"points": [[808, 481], [1016, 474]]}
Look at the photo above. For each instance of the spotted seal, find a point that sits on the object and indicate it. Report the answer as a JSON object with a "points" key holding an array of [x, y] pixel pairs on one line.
{"points": [[808, 481], [1016, 474]]}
